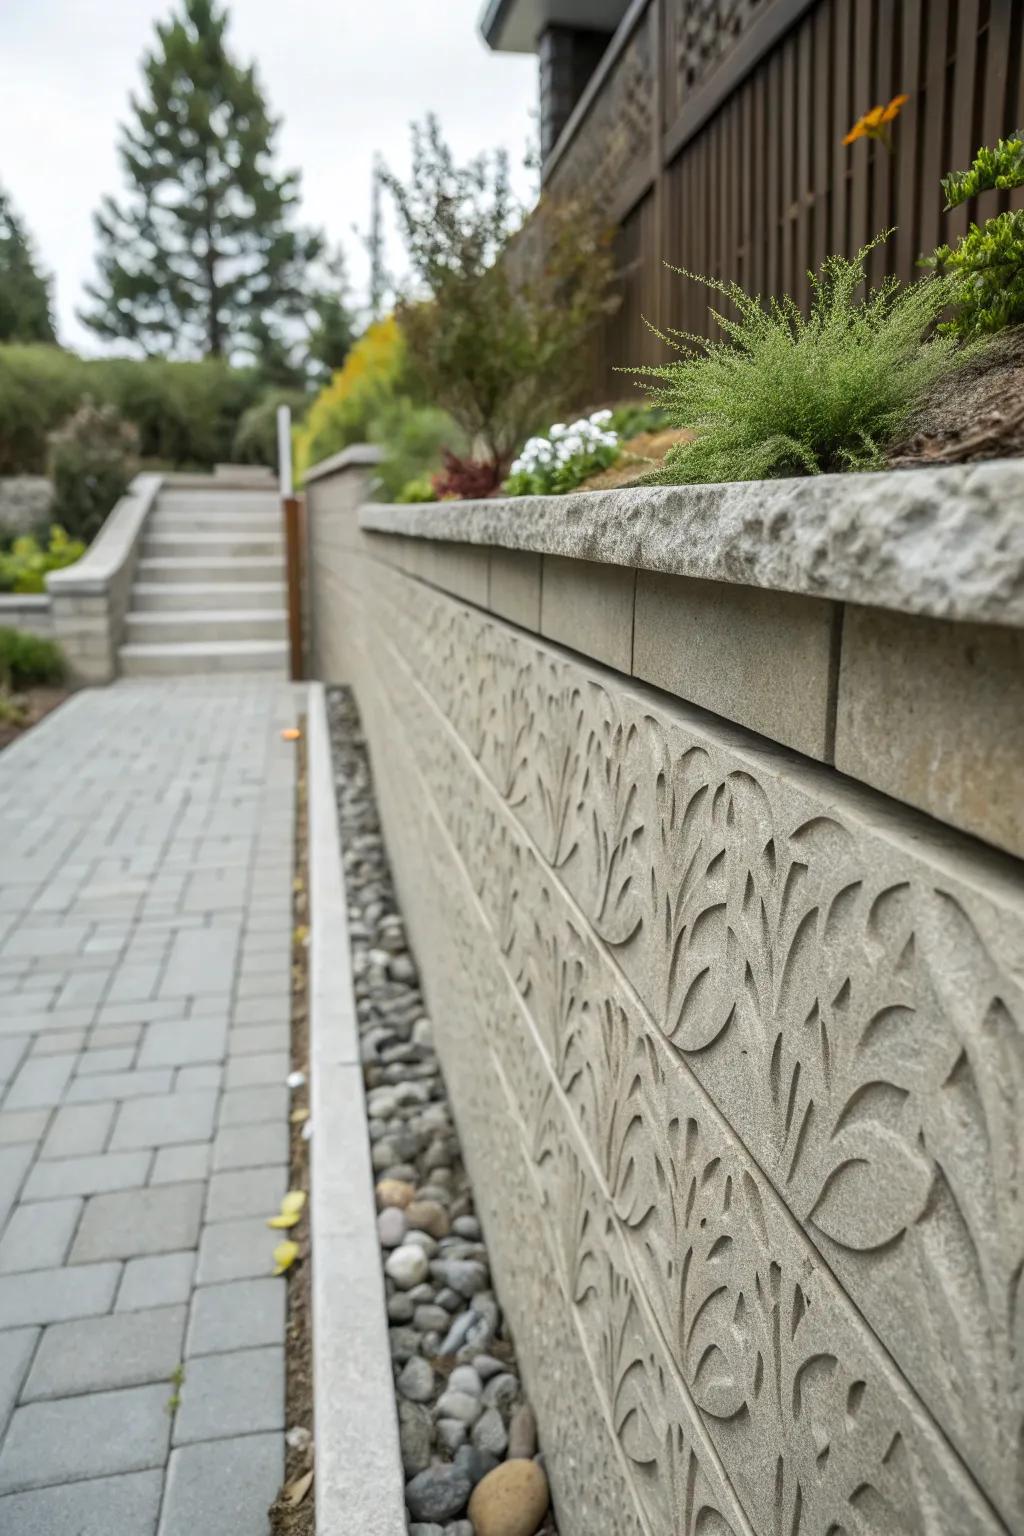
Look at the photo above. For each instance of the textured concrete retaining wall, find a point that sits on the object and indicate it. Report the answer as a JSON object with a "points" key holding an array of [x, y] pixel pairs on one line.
{"points": [[736, 1049], [27, 611]]}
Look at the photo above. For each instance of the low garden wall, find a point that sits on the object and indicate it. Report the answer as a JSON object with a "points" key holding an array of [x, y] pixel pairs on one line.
{"points": [[704, 808]]}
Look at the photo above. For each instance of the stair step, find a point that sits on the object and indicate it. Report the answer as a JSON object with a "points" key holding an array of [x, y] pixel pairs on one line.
{"points": [[207, 596], [223, 545], [197, 520], [218, 501], [170, 660], [194, 568], [202, 625]]}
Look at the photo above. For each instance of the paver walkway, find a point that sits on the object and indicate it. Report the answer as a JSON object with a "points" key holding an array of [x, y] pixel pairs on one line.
{"points": [[146, 835]]}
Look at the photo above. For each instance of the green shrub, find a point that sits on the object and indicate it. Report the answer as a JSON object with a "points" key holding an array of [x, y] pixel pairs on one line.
{"points": [[986, 267], [26, 660], [500, 342], [186, 414], [791, 395], [413, 438], [255, 440], [632, 419], [92, 463], [373, 374], [23, 567], [420, 489]]}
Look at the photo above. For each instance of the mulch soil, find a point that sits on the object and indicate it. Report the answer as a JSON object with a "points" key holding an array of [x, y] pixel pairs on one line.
{"points": [[287, 1517], [37, 702]]}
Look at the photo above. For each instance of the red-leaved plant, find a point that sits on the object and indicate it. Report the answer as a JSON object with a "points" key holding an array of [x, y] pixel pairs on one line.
{"points": [[465, 479]]}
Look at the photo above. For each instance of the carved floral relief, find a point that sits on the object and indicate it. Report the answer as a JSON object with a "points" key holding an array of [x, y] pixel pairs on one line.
{"points": [[703, 940]]}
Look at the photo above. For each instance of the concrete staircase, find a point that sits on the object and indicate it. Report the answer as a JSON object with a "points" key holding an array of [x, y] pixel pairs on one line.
{"points": [[209, 593]]}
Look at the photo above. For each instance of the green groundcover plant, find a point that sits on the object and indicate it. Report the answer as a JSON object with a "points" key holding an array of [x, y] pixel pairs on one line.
{"points": [[986, 267], [24, 565], [28, 660], [788, 394]]}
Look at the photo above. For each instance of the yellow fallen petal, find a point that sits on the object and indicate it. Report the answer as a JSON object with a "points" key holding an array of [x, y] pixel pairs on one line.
{"points": [[290, 733], [285, 1255], [300, 934], [286, 1219], [293, 1202], [298, 1115]]}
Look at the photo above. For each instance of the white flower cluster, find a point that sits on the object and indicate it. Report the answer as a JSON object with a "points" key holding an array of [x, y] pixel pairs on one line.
{"points": [[565, 442]]}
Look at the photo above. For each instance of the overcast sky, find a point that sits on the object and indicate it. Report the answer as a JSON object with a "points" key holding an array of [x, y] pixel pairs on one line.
{"points": [[346, 76]]}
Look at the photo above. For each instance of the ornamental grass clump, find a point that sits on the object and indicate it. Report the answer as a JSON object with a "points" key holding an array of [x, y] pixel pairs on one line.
{"points": [[789, 394]]}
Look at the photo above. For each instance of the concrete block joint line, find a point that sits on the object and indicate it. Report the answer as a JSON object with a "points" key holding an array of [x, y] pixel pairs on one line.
{"points": [[145, 933]]}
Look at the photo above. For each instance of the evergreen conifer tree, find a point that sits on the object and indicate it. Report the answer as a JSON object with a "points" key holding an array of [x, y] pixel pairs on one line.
{"points": [[203, 256], [24, 291]]}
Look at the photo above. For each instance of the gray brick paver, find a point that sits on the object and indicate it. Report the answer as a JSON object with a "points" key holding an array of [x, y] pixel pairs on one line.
{"points": [[222, 1487], [138, 1221], [103, 1506], [91, 1436], [101, 1354], [145, 895], [232, 1394], [39, 1236]]}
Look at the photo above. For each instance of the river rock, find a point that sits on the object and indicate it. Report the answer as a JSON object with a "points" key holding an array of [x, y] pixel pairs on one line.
{"points": [[401, 1307], [458, 1405], [474, 1462], [455, 1337], [485, 1365], [428, 1216], [407, 1266], [463, 1275], [501, 1391], [416, 1380], [451, 1433], [510, 1501], [393, 1192], [465, 1379], [489, 1433], [522, 1433], [415, 1435], [391, 1226], [404, 1342], [439, 1493], [430, 1318]]}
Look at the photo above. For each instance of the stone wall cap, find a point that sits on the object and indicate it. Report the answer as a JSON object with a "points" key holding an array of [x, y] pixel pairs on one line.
{"points": [[23, 602], [942, 542], [112, 545], [358, 456]]}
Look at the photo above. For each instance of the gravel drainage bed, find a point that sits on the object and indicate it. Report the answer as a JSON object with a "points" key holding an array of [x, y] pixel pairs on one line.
{"points": [[468, 1435]]}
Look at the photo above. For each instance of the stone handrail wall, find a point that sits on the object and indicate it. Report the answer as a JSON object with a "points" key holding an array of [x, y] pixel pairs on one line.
{"points": [[734, 1040], [89, 599]]}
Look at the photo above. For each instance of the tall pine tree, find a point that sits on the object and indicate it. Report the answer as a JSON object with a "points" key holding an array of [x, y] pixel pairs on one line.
{"points": [[203, 255], [24, 291]]}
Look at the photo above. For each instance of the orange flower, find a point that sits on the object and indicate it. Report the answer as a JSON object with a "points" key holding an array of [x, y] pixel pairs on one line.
{"points": [[873, 124], [892, 111]]}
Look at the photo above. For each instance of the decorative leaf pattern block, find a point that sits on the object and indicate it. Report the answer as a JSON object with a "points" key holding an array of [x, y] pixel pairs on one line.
{"points": [[737, 1050]]}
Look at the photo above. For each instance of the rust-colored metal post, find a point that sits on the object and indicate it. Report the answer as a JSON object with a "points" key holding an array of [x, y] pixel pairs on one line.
{"points": [[293, 510]]}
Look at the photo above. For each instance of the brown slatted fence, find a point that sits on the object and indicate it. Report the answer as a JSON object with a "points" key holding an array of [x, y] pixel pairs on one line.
{"points": [[763, 188]]}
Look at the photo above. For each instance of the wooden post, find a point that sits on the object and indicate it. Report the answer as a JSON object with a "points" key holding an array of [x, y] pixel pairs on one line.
{"points": [[291, 509]]}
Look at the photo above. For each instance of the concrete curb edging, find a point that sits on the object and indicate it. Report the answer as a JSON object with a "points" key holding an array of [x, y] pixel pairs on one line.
{"points": [[359, 1481]]}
